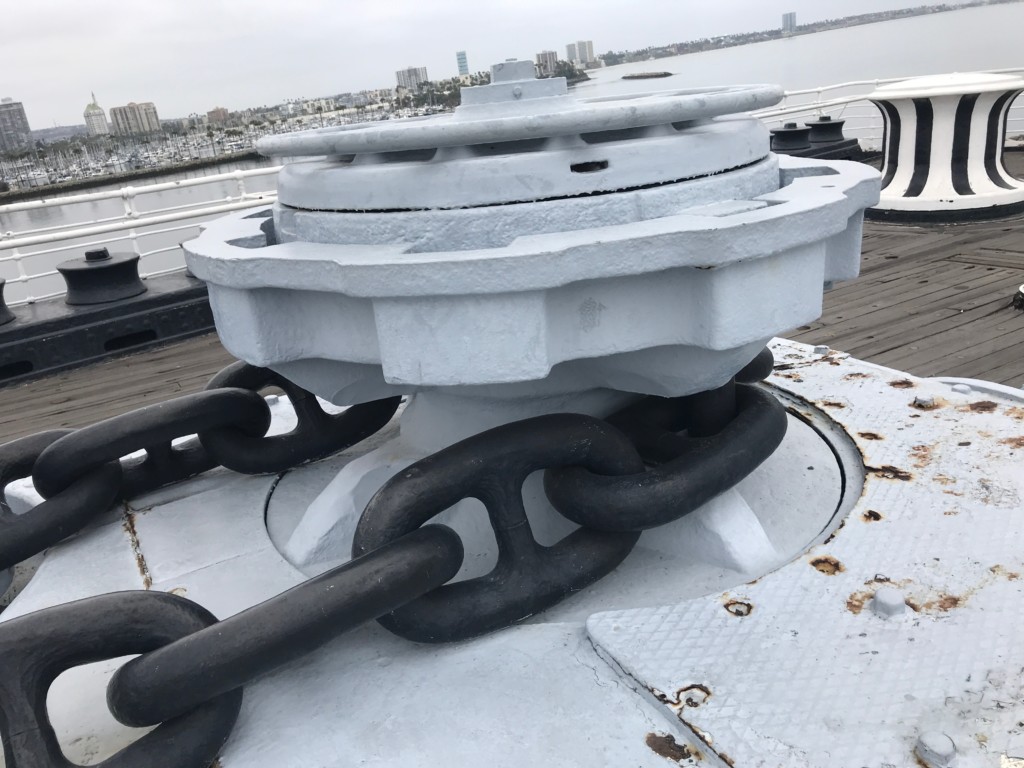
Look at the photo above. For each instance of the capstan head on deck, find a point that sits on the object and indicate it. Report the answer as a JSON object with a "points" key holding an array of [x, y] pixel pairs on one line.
{"points": [[533, 252], [534, 243]]}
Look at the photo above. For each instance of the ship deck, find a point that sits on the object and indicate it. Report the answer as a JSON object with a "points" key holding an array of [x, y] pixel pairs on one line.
{"points": [[932, 300]]}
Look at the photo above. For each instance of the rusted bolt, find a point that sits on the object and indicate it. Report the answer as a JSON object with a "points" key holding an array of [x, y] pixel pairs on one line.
{"points": [[739, 608], [888, 602], [821, 349], [935, 749], [924, 401]]}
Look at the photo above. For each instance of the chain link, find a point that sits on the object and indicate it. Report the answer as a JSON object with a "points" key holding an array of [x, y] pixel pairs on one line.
{"points": [[687, 473], [168, 683], [65, 513], [316, 435], [647, 465], [492, 467], [80, 452], [36, 648]]}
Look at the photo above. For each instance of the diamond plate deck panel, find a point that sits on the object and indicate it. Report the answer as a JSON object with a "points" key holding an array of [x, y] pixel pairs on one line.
{"points": [[797, 669]]}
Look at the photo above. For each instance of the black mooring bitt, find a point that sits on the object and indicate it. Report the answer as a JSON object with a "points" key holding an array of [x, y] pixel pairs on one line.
{"points": [[100, 278], [5, 312]]}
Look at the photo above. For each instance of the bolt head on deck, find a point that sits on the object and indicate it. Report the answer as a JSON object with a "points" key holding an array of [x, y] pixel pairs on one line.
{"points": [[888, 602], [935, 749]]}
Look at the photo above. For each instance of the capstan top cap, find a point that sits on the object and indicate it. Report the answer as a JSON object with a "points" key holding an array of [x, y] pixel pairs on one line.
{"points": [[514, 107], [948, 85]]}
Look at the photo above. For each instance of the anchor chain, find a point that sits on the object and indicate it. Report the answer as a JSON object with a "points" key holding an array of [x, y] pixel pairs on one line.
{"points": [[647, 465], [80, 474]]}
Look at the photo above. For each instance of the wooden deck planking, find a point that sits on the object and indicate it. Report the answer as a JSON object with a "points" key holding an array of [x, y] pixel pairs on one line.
{"points": [[95, 392], [934, 301]]}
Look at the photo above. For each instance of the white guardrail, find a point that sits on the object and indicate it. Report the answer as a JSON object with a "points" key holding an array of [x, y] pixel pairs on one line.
{"points": [[73, 224], [848, 101], [130, 218]]}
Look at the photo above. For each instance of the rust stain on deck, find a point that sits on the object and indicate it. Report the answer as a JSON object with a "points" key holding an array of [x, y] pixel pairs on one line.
{"points": [[834, 533], [827, 565], [901, 384], [666, 746], [739, 608], [870, 436], [943, 603], [889, 472], [871, 516], [855, 603], [128, 524], [1014, 442], [982, 406], [706, 740], [922, 455]]}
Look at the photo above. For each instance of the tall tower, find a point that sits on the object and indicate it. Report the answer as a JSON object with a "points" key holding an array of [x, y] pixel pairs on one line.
{"points": [[95, 119], [585, 51], [14, 130], [460, 57], [570, 53]]}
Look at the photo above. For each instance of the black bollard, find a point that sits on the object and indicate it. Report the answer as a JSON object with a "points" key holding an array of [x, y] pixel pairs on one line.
{"points": [[5, 313], [825, 130], [100, 278], [790, 138]]}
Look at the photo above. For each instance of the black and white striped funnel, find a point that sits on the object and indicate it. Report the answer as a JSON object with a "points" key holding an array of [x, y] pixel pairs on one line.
{"points": [[943, 145]]}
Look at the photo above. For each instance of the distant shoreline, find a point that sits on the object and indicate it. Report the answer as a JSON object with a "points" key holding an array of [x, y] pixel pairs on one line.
{"points": [[747, 38], [49, 190]]}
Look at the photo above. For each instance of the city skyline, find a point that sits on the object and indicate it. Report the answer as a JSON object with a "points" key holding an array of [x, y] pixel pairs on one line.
{"points": [[247, 60]]}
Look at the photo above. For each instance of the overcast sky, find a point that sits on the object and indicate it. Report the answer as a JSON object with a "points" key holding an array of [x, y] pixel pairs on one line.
{"points": [[192, 55]]}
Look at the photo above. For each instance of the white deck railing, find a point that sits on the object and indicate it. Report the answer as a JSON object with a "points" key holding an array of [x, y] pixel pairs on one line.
{"points": [[29, 255], [849, 101]]}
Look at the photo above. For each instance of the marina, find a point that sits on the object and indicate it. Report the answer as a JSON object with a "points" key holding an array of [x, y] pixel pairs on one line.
{"points": [[677, 451]]}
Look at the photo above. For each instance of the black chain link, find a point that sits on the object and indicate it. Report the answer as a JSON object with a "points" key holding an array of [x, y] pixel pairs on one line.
{"points": [[687, 472], [80, 473], [647, 465], [65, 513], [492, 467], [36, 648], [168, 683], [316, 435], [80, 452]]}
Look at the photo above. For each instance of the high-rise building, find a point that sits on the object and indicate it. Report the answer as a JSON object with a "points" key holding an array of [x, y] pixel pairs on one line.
{"points": [[546, 62], [14, 130], [460, 58], [95, 119], [411, 78], [788, 23], [570, 53], [585, 51], [133, 119], [217, 115]]}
